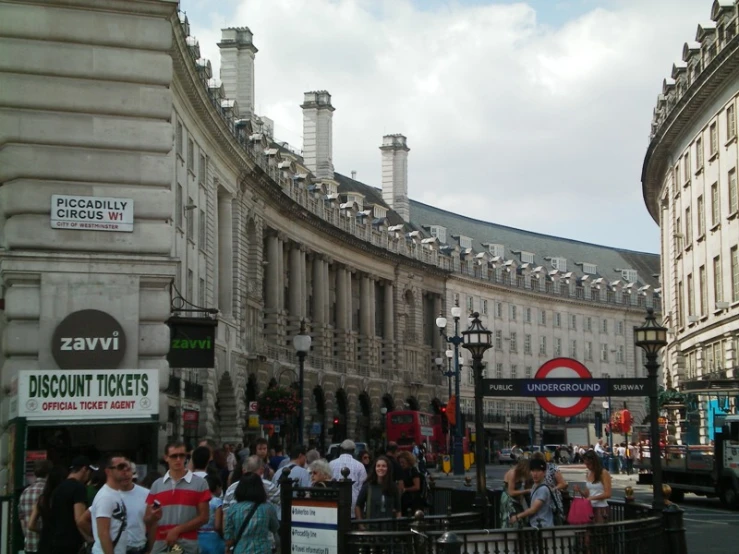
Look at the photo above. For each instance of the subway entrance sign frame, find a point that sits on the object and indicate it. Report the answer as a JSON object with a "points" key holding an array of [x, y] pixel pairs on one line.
{"points": [[554, 387]]}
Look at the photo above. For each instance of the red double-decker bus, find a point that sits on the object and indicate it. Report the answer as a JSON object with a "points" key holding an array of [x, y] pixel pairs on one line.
{"points": [[409, 427]]}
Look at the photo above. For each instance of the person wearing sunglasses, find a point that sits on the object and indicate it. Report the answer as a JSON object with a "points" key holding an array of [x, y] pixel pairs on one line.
{"points": [[108, 511], [178, 502]]}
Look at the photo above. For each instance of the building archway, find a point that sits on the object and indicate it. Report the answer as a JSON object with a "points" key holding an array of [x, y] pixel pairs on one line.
{"points": [[364, 417], [387, 402], [339, 428], [413, 404], [319, 403]]}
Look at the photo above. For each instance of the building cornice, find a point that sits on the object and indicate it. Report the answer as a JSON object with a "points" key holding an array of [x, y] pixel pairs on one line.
{"points": [[687, 108]]}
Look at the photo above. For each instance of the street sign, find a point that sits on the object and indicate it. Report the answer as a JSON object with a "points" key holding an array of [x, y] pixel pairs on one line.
{"points": [[567, 387], [564, 368], [253, 406]]}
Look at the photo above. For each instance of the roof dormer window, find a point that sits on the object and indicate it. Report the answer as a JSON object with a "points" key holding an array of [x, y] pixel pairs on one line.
{"points": [[559, 263], [527, 257], [356, 198], [496, 250], [590, 269], [629, 275], [439, 232], [379, 211], [465, 242]]}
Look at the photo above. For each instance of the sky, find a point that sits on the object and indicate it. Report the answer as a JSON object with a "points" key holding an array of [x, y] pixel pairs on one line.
{"points": [[534, 115]]}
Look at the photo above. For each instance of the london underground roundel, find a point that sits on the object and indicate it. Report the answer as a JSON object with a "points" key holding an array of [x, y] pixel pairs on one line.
{"points": [[563, 368]]}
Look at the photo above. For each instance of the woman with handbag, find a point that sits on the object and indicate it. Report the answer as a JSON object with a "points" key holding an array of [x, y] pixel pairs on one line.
{"points": [[513, 499], [597, 487], [251, 521]]}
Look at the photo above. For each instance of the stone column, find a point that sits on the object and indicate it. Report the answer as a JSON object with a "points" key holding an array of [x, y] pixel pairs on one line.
{"points": [[273, 272], [225, 255], [303, 283], [389, 324], [325, 284], [281, 272], [342, 297], [295, 290], [373, 307], [365, 297], [319, 291]]}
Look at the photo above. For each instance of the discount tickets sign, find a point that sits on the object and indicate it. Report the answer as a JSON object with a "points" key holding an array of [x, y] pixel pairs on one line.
{"points": [[88, 394]]}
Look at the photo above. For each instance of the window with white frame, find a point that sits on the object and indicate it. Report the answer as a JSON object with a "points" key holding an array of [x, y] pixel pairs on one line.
{"points": [[619, 327], [439, 232], [514, 371], [698, 154], [686, 168], [589, 324], [718, 284], [484, 307], [513, 312], [514, 341], [190, 155], [527, 257], [178, 139], [542, 345], [734, 255], [527, 344], [715, 205], [465, 242], [470, 304], [190, 232], [499, 371], [573, 322], [178, 206], [201, 169], [528, 372], [201, 293], [713, 139], [730, 121], [603, 352], [588, 354], [604, 326], [733, 193], [497, 250], [703, 284], [559, 263], [498, 339], [557, 346], [590, 269], [557, 319], [630, 275], [527, 316], [499, 309], [620, 354], [542, 317], [701, 214], [573, 348]]}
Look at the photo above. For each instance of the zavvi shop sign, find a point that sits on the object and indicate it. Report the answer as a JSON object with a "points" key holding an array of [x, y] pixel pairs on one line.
{"points": [[88, 339], [192, 342]]}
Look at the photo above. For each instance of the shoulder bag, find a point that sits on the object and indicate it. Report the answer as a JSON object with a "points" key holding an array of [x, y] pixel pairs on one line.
{"points": [[244, 524]]}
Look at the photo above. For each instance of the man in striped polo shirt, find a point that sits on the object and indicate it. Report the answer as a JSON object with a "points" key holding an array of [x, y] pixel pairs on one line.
{"points": [[183, 503]]}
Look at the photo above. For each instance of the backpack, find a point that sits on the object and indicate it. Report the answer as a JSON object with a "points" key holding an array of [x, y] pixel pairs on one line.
{"points": [[557, 515]]}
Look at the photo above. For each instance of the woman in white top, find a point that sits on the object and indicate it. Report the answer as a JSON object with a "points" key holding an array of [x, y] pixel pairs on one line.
{"points": [[597, 487]]}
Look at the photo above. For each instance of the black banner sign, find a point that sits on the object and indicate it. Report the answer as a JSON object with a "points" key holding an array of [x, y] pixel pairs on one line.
{"points": [[572, 387], [192, 342]]}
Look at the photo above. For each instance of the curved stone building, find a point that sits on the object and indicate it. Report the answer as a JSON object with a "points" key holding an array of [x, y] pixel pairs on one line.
{"points": [[689, 182], [223, 223]]}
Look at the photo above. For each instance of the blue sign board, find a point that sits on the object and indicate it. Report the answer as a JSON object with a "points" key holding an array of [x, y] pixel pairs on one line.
{"points": [[573, 387]]}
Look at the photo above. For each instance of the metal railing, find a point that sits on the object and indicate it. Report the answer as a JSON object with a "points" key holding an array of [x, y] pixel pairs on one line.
{"points": [[7, 521]]}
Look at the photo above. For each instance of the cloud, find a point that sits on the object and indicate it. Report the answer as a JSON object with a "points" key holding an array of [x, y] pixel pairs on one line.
{"points": [[508, 119]]}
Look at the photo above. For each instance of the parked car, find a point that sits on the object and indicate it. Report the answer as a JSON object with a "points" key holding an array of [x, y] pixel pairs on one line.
{"points": [[506, 456]]}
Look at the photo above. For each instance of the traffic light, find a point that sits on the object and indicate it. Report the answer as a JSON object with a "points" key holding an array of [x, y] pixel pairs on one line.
{"points": [[598, 424], [444, 420]]}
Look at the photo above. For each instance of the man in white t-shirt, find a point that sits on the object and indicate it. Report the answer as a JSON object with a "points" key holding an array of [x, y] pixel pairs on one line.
{"points": [[109, 516], [134, 498]]}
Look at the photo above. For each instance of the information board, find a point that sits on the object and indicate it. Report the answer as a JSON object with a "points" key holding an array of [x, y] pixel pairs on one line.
{"points": [[314, 526]]}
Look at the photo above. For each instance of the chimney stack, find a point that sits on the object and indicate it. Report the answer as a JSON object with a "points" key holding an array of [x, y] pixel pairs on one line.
{"points": [[237, 67], [395, 174], [318, 134]]}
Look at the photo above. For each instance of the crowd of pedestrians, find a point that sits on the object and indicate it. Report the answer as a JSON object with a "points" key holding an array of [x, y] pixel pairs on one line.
{"points": [[210, 499]]}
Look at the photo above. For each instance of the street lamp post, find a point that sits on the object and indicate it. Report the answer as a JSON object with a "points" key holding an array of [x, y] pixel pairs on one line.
{"points": [[455, 340], [651, 337], [448, 374], [477, 340], [301, 342]]}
